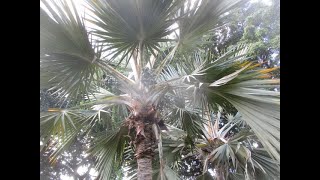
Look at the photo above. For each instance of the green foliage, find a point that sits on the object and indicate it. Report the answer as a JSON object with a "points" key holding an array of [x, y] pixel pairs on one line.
{"points": [[127, 24], [200, 20], [262, 29], [66, 54], [189, 82], [109, 149]]}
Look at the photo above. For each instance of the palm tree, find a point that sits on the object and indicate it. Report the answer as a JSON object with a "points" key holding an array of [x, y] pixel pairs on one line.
{"points": [[157, 52], [227, 148]]}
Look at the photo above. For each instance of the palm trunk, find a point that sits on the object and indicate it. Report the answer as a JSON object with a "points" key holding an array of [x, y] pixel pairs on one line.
{"points": [[144, 152], [144, 169], [145, 145], [140, 125]]}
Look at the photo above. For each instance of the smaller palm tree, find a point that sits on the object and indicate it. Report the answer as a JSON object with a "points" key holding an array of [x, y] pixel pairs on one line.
{"points": [[232, 153]]}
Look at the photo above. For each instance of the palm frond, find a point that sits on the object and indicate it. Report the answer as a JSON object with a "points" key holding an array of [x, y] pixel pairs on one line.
{"points": [[265, 164], [188, 89], [168, 174], [124, 25], [125, 81], [63, 31], [228, 78], [58, 129], [171, 153], [66, 54], [166, 60], [236, 156], [106, 100], [259, 108], [238, 84], [109, 149], [200, 17], [187, 120]]}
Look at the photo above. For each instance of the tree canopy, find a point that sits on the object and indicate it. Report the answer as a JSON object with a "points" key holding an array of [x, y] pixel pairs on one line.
{"points": [[160, 89]]}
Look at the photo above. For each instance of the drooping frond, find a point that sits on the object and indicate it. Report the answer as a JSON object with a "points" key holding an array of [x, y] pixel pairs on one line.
{"points": [[263, 163], [59, 128], [109, 148], [259, 108], [230, 81], [66, 54]]}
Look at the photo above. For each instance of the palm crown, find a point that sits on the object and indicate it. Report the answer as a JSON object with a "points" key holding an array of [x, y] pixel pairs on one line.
{"points": [[169, 86]]}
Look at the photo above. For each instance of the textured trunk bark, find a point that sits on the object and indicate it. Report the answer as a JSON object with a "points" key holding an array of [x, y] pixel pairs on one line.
{"points": [[140, 125], [145, 151], [145, 145], [144, 169]]}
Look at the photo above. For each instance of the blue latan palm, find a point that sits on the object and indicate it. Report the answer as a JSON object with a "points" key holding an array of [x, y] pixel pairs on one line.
{"points": [[188, 82]]}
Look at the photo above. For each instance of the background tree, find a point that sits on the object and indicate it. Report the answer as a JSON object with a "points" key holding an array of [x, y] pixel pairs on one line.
{"points": [[256, 23]]}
